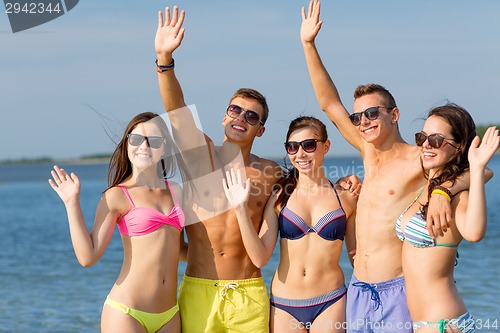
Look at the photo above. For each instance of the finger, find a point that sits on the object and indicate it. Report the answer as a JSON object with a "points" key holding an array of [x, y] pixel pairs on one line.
{"points": [[429, 227], [181, 19], [247, 185], [55, 175], [447, 218], [175, 16], [228, 178], [309, 10], [160, 19], [180, 35], [53, 185], [64, 173], [317, 10], [475, 142], [75, 178], [233, 175], [303, 11], [224, 185], [238, 175], [441, 225], [167, 16]]}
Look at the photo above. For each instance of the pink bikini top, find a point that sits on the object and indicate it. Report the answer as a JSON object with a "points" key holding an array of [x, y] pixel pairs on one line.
{"points": [[140, 221]]}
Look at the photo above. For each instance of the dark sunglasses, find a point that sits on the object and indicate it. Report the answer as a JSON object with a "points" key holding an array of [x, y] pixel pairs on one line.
{"points": [[436, 140], [152, 141], [370, 114], [309, 146], [251, 117]]}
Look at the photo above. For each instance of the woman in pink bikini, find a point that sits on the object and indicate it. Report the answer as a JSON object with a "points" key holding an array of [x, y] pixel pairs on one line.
{"points": [[146, 209]]}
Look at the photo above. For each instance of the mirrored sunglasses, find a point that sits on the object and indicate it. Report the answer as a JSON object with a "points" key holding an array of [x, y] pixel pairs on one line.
{"points": [[251, 117]]}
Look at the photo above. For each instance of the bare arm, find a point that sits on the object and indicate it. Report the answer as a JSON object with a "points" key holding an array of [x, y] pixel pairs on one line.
{"points": [[439, 212], [88, 247], [324, 88], [350, 202], [258, 246], [472, 224], [168, 38]]}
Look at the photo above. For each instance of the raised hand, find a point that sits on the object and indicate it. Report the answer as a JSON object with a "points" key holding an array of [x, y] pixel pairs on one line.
{"points": [[310, 22], [480, 155], [66, 186], [170, 32], [237, 193]]}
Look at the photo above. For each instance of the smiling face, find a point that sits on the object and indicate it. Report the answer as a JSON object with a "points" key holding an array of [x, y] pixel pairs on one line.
{"points": [[435, 158], [303, 161], [378, 129], [143, 156], [237, 129]]}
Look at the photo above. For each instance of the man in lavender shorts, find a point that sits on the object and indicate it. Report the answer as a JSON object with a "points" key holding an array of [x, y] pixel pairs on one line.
{"points": [[376, 297]]}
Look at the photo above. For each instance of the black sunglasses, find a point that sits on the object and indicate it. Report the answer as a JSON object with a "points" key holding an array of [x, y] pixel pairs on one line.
{"points": [[251, 117], [309, 146], [152, 141], [370, 114], [436, 140]]}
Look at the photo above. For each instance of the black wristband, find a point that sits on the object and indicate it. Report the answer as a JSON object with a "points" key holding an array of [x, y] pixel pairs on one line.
{"points": [[161, 69]]}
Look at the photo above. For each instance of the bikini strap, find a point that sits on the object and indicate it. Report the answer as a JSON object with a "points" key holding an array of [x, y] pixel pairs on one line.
{"points": [[414, 200], [174, 197], [127, 194], [334, 190]]}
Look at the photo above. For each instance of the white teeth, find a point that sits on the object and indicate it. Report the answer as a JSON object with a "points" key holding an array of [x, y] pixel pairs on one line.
{"points": [[238, 127], [368, 130], [143, 155], [429, 154]]}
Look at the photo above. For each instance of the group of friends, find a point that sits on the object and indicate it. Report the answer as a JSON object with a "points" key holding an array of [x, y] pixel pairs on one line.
{"points": [[401, 232]]}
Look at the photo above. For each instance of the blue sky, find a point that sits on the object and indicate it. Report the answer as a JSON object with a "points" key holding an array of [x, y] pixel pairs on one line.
{"points": [[100, 56]]}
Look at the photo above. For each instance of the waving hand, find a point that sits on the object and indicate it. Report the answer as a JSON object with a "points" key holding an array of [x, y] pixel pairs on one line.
{"points": [[237, 192], [170, 32]]}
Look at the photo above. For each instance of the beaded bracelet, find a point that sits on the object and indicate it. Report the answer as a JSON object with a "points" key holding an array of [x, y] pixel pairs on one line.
{"points": [[442, 191], [161, 69]]}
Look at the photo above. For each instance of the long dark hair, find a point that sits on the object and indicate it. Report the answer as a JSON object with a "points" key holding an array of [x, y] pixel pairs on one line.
{"points": [[463, 132], [120, 167], [287, 184]]}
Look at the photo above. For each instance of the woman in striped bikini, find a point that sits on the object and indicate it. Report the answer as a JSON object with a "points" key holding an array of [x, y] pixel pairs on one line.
{"points": [[450, 147]]}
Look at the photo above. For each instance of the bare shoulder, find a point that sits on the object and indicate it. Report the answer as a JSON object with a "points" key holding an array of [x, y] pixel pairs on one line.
{"points": [[115, 200]]}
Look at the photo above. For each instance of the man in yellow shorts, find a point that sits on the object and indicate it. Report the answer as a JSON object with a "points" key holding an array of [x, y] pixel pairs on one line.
{"points": [[222, 290]]}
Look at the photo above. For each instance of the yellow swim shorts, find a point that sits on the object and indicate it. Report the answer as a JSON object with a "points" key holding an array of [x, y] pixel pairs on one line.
{"points": [[232, 306]]}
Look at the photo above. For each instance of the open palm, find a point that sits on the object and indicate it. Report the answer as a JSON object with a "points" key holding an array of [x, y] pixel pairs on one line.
{"points": [[310, 22], [170, 32], [66, 186], [480, 155], [237, 192]]}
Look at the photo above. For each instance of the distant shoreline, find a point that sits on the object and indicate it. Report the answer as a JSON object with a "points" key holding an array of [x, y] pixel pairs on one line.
{"points": [[48, 160]]}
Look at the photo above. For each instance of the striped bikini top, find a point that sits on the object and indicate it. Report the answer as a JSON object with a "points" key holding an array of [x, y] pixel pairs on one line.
{"points": [[415, 231], [139, 221], [330, 226]]}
